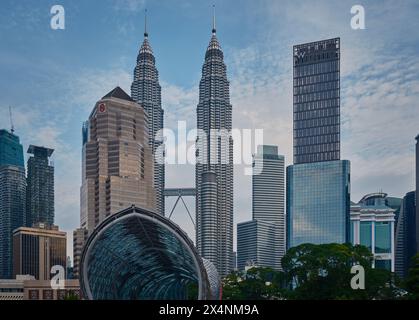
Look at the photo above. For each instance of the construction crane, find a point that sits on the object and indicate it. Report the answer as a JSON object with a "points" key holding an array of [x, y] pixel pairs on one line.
{"points": [[11, 120]]}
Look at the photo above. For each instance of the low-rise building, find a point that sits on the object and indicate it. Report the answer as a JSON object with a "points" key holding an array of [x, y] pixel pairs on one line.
{"points": [[372, 225], [37, 250], [12, 289], [42, 290]]}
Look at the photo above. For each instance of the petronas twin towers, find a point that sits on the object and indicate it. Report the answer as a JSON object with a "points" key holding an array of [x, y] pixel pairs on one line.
{"points": [[213, 178]]}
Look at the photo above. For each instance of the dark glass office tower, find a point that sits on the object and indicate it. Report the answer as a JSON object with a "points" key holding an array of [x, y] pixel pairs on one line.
{"points": [[317, 101], [40, 189], [405, 237], [12, 197], [318, 184]]}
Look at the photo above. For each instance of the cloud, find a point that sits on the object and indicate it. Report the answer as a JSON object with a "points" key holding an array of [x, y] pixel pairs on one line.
{"points": [[179, 104], [380, 121], [22, 15], [129, 5], [92, 84]]}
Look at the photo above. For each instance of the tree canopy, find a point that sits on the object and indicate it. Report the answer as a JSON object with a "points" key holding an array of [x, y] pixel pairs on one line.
{"points": [[315, 272]]}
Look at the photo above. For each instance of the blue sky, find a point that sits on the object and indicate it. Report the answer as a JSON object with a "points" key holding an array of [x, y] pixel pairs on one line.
{"points": [[53, 78]]}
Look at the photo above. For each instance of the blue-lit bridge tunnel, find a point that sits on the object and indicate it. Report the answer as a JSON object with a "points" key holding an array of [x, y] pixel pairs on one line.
{"points": [[138, 254]]}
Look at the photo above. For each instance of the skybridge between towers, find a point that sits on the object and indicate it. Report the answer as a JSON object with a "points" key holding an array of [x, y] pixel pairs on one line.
{"points": [[180, 193]]}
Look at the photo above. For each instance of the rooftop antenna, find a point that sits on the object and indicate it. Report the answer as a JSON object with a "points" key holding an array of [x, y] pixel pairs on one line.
{"points": [[145, 24], [214, 30], [12, 129]]}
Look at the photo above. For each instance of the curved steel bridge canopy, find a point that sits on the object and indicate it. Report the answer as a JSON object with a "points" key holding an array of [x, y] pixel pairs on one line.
{"points": [[138, 254]]}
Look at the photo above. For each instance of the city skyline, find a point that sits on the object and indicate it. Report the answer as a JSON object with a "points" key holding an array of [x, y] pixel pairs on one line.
{"points": [[363, 113]]}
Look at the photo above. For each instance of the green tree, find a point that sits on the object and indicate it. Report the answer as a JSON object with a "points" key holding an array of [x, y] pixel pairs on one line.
{"points": [[255, 284], [324, 272], [318, 272], [71, 296]]}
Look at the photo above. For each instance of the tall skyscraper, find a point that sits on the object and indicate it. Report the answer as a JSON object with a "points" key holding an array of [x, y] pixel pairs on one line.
{"points": [[318, 184], [214, 168], [118, 162], [36, 250], [317, 101], [405, 238], [11, 151], [146, 90], [40, 187], [268, 185], [12, 197], [262, 240]]}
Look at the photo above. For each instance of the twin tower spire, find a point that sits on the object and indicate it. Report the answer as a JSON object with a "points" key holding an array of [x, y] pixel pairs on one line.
{"points": [[145, 24]]}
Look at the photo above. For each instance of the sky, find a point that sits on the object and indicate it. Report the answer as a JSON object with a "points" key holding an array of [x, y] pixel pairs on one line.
{"points": [[52, 79]]}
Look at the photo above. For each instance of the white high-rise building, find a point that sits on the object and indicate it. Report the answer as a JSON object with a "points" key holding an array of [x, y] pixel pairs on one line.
{"points": [[262, 240], [268, 185]]}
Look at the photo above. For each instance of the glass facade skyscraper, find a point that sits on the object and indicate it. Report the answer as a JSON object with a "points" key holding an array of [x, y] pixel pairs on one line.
{"points": [[12, 197], [318, 202], [259, 244], [405, 238], [317, 101], [11, 151], [40, 187], [318, 184]]}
